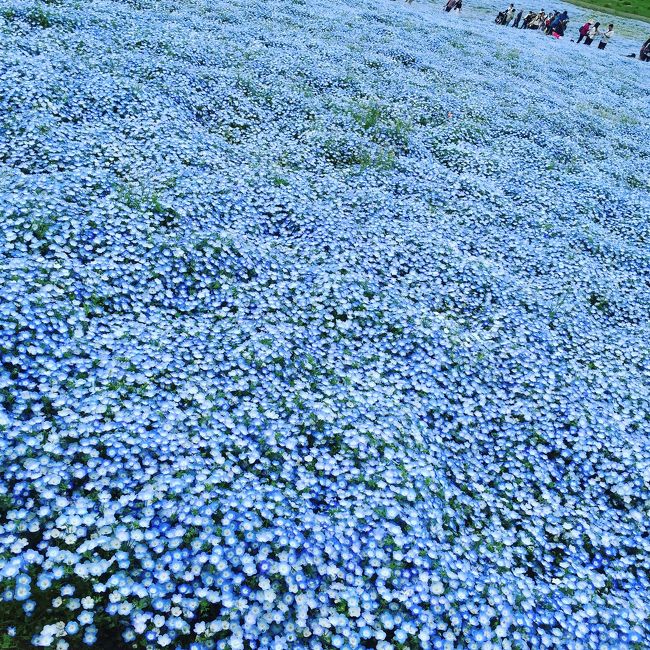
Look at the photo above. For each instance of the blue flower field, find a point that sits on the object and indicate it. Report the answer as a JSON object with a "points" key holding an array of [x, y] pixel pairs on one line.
{"points": [[323, 325]]}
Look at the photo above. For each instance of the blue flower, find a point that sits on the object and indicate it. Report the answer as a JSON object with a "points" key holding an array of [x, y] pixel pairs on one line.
{"points": [[72, 627]]}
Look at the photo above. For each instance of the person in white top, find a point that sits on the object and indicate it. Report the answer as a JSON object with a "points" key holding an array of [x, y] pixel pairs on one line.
{"points": [[592, 33], [604, 39]]}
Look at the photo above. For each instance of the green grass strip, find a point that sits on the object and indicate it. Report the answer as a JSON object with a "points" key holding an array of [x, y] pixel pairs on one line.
{"points": [[636, 9]]}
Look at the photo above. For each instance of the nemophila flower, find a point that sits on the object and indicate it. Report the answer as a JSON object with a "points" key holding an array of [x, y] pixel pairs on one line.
{"points": [[72, 627], [22, 592], [90, 636]]}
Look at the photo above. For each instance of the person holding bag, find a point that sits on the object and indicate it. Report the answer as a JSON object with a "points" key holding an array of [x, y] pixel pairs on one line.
{"points": [[592, 33], [583, 31]]}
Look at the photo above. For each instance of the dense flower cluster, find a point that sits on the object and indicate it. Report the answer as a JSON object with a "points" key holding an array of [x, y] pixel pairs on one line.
{"points": [[323, 325]]}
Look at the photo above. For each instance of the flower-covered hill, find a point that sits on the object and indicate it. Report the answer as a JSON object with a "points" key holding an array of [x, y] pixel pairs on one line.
{"points": [[323, 325]]}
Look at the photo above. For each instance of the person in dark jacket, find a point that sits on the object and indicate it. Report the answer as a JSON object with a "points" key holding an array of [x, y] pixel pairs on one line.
{"points": [[517, 19], [504, 17], [644, 52], [546, 25], [561, 28], [555, 23], [529, 16]]}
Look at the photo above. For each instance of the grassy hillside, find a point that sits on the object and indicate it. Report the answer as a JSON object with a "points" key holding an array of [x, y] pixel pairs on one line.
{"points": [[626, 8]]}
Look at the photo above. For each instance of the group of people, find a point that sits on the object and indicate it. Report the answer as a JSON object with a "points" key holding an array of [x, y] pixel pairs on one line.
{"points": [[554, 24], [591, 30]]}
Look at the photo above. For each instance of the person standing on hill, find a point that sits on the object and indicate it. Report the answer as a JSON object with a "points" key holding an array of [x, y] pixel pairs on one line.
{"points": [[583, 31], [510, 14], [550, 22], [517, 19], [592, 33], [561, 28], [529, 16], [604, 39], [555, 23], [547, 23], [535, 20], [644, 52]]}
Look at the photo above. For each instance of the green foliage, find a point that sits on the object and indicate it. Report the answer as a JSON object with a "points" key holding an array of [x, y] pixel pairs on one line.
{"points": [[383, 160], [629, 8], [8, 13], [507, 55], [38, 17], [368, 118], [599, 302], [41, 227]]}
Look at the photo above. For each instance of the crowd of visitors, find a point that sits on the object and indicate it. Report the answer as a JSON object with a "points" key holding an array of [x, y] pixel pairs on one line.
{"points": [[555, 24]]}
